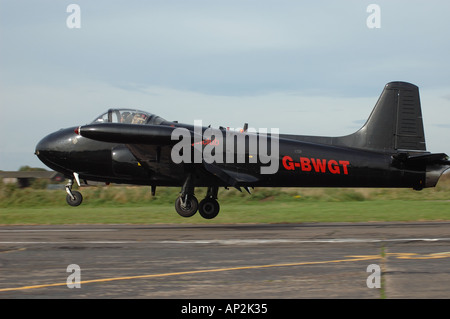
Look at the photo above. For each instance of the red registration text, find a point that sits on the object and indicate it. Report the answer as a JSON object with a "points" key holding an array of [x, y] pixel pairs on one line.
{"points": [[317, 165]]}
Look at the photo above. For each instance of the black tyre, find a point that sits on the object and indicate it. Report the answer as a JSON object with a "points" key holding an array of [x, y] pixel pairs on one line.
{"points": [[77, 199], [187, 210], [209, 208]]}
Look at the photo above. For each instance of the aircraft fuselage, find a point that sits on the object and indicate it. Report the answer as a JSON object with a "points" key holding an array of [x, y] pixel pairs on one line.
{"points": [[135, 147]]}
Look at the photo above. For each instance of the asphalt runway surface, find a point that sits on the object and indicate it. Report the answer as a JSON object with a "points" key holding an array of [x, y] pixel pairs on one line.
{"points": [[411, 260]]}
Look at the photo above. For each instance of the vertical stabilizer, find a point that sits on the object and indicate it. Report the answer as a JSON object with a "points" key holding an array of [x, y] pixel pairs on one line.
{"points": [[394, 124]]}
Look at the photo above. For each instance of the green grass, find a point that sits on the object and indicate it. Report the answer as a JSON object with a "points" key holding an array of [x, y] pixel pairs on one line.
{"points": [[268, 212], [135, 205]]}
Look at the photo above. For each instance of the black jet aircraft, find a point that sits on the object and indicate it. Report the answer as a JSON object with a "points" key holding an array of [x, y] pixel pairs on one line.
{"points": [[135, 147]]}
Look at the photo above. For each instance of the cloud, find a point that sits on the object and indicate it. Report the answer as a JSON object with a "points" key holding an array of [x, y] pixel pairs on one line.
{"points": [[228, 48], [305, 67]]}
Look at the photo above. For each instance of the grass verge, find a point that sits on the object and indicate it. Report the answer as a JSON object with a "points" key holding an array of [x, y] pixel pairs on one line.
{"points": [[257, 212], [135, 205]]}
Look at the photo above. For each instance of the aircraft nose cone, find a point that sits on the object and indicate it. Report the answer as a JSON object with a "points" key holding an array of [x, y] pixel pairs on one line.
{"points": [[53, 150], [42, 146], [47, 145]]}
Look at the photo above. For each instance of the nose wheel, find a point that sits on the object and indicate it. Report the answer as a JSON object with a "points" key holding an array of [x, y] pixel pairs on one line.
{"points": [[73, 198]]}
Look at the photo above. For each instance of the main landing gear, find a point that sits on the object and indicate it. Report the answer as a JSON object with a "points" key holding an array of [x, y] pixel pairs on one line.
{"points": [[187, 204], [209, 207]]}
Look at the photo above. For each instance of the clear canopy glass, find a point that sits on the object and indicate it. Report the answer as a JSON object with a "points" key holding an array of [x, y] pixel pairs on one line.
{"points": [[129, 116]]}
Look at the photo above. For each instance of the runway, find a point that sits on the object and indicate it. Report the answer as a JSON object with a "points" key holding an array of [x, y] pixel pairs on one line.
{"points": [[226, 261]]}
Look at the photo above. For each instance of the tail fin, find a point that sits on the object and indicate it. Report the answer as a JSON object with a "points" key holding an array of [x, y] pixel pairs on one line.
{"points": [[394, 124]]}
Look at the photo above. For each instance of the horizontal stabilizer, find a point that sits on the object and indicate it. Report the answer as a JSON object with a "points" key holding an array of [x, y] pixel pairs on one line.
{"points": [[437, 158], [433, 164], [430, 158]]}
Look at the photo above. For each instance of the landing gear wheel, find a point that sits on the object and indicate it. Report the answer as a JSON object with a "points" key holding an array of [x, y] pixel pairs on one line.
{"points": [[76, 200], [187, 208], [209, 208]]}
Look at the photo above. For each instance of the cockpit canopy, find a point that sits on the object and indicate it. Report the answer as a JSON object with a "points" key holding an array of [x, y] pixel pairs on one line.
{"points": [[129, 116]]}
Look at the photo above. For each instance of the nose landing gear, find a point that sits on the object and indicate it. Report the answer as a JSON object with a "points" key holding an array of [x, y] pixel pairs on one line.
{"points": [[73, 198]]}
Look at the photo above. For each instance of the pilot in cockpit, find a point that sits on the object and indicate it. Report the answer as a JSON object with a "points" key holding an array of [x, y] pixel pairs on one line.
{"points": [[124, 117]]}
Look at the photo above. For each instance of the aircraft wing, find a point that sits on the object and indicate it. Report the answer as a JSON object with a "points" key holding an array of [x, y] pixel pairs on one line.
{"points": [[230, 177], [134, 135]]}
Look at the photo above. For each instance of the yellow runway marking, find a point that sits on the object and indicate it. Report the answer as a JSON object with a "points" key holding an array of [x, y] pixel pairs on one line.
{"points": [[192, 272], [12, 251], [417, 256], [204, 271]]}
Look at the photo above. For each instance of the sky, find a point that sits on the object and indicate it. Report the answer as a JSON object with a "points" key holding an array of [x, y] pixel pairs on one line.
{"points": [[305, 67]]}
